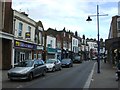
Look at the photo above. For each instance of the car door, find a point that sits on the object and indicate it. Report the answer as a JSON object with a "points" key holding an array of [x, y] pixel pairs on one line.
{"points": [[36, 68], [40, 66], [58, 63]]}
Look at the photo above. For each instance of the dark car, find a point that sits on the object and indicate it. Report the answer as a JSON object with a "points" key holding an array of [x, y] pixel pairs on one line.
{"points": [[77, 59], [27, 69], [67, 63]]}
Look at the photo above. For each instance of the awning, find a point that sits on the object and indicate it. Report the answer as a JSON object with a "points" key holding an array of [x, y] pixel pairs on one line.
{"points": [[113, 43]]}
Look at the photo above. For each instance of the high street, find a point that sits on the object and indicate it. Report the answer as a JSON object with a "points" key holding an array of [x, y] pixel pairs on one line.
{"points": [[74, 77]]}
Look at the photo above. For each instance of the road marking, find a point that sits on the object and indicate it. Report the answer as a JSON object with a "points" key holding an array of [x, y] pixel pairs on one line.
{"points": [[87, 84], [20, 86]]}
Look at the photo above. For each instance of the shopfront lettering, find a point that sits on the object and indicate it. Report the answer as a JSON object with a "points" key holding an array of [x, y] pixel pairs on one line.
{"points": [[24, 45]]}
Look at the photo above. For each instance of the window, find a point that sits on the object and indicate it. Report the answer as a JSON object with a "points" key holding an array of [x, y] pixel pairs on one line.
{"points": [[20, 29], [29, 29], [35, 56], [118, 25], [40, 38], [28, 32], [39, 56], [51, 43]]}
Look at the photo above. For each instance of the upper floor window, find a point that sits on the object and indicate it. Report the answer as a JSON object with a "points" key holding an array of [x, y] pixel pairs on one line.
{"points": [[29, 29], [51, 42], [20, 29], [40, 38], [28, 32], [118, 25]]}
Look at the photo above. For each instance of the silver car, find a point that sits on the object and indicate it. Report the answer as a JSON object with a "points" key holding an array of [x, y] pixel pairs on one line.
{"points": [[53, 65], [27, 70]]}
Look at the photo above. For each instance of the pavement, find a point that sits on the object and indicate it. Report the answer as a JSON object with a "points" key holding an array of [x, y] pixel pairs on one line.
{"points": [[105, 79]]}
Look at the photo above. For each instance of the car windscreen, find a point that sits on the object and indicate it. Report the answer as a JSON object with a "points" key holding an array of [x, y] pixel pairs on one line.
{"points": [[77, 57], [28, 63], [65, 60], [50, 61]]}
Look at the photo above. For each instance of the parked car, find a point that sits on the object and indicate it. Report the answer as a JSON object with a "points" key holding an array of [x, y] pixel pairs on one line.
{"points": [[77, 59], [53, 65], [27, 69], [67, 62], [94, 58]]}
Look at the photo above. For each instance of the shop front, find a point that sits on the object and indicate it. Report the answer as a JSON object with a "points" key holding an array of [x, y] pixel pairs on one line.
{"points": [[23, 51], [111, 45], [58, 54], [51, 53], [38, 52]]}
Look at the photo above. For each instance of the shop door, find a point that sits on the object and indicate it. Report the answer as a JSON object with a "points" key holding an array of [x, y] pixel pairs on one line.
{"points": [[22, 56]]}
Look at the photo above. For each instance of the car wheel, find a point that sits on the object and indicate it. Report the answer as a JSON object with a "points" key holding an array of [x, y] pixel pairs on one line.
{"points": [[30, 76], [60, 68], [53, 69], [69, 65], [44, 73], [11, 79]]}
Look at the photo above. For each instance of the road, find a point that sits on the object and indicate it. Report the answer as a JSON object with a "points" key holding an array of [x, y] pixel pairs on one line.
{"points": [[74, 77]]}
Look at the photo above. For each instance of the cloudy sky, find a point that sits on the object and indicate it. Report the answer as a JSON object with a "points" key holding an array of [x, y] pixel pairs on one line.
{"points": [[71, 14]]}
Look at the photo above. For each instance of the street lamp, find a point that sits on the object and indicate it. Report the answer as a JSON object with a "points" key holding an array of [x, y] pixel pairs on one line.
{"points": [[89, 19]]}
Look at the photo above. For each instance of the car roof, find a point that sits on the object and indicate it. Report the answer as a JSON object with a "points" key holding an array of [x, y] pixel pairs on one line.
{"points": [[52, 59], [66, 59]]}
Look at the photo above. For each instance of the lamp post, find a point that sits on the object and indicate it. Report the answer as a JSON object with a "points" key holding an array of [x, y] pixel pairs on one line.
{"points": [[89, 19]]}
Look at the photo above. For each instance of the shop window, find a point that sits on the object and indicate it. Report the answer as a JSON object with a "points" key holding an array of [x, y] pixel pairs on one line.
{"points": [[39, 56], [16, 58], [29, 55], [35, 56]]}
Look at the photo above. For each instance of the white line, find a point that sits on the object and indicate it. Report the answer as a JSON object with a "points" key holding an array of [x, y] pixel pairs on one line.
{"points": [[20, 86], [87, 84]]}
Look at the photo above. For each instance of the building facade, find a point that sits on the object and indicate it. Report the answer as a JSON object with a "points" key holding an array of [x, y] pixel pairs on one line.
{"points": [[51, 47], [75, 47], [112, 43], [28, 39], [92, 48], [6, 34]]}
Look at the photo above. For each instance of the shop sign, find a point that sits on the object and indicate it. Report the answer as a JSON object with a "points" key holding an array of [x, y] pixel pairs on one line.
{"points": [[27, 35], [24, 45], [39, 47], [51, 50]]}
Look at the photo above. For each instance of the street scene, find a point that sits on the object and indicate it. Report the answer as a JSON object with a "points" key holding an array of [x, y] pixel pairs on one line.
{"points": [[67, 44], [74, 77]]}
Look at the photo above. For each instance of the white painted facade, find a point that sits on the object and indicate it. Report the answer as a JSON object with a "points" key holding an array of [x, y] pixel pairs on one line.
{"points": [[51, 42], [75, 47], [22, 24], [92, 45], [26, 22]]}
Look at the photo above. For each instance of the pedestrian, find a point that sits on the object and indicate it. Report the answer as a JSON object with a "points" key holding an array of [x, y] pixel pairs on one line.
{"points": [[118, 71], [117, 57]]}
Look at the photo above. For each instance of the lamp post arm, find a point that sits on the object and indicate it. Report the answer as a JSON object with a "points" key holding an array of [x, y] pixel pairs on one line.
{"points": [[98, 15]]}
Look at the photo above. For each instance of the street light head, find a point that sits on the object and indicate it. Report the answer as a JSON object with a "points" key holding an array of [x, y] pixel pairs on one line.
{"points": [[89, 19]]}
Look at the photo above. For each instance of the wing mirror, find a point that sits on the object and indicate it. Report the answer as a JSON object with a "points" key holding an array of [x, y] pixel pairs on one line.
{"points": [[35, 65]]}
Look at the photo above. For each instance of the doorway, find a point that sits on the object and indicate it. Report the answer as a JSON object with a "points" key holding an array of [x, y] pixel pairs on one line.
{"points": [[22, 56]]}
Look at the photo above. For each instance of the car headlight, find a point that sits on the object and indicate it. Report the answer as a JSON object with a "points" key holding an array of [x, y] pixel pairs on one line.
{"points": [[50, 66]]}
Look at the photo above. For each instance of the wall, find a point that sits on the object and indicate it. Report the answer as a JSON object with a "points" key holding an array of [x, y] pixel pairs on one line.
{"points": [[6, 53]]}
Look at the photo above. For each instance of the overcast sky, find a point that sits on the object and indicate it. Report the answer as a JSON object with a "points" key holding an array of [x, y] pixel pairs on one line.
{"points": [[71, 14]]}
